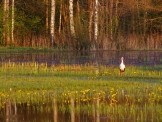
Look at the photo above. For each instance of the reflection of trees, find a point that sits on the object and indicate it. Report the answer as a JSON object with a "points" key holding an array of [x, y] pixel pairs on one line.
{"points": [[55, 110], [96, 110], [72, 112], [102, 57], [10, 110]]}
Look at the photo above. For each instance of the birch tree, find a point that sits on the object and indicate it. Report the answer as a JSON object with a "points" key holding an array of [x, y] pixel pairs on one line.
{"points": [[111, 19], [60, 18], [96, 22], [72, 29], [52, 21], [13, 21], [90, 19]]}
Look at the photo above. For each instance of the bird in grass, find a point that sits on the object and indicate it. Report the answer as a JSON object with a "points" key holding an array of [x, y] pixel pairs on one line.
{"points": [[122, 66]]}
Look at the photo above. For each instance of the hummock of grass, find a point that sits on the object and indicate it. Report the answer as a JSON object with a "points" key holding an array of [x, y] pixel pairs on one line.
{"points": [[140, 88], [16, 77], [27, 49]]}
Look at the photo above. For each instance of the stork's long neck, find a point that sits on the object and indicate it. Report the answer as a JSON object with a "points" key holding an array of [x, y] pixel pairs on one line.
{"points": [[122, 62]]}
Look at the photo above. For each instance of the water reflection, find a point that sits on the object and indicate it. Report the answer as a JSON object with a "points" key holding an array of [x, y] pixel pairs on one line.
{"points": [[102, 57], [94, 112], [46, 112]]}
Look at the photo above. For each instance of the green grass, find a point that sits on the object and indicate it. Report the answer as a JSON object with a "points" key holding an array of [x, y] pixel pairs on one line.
{"points": [[139, 89], [32, 76], [29, 49]]}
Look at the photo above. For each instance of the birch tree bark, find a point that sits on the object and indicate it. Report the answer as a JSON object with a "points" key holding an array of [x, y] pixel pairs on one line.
{"points": [[111, 19], [60, 18], [72, 29], [90, 20], [96, 23], [52, 22], [13, 21]]}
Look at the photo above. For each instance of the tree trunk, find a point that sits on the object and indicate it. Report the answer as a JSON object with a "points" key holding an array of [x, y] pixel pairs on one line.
{"points": [[47, 15], [4, 19], [52, 22], [72, 30], [116, 17], [116, 32], [6, 36], [144, 25], [111, 19], [60, 19], [13, 22], [90, 20], [96, 24]]}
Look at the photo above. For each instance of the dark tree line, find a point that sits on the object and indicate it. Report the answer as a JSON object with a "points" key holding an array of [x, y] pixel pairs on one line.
{"points": [[82, 24]]}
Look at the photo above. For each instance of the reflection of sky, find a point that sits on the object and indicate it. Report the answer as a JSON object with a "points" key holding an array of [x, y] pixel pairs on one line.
{"points": [[101, 57]]}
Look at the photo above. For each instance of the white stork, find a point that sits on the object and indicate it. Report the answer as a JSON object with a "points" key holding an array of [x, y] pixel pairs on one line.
{"points": [[122, 66]]}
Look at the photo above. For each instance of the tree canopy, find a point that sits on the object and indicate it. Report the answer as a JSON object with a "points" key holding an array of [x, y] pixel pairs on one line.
{"points": [[82, 24]]}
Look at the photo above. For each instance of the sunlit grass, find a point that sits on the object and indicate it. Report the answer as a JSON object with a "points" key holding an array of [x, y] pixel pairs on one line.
{"points": [[139, 89]]}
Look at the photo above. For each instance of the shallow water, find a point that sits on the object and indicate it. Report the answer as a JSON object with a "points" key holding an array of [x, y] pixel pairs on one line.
{"points": [[51, 113], [41, 113], [101, 57]]}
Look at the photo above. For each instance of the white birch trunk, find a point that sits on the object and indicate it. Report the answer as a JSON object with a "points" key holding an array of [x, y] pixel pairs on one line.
{"points": [[60, 19], [52, 21], [72, 30], [96, 22], [13, 21], [111, 19], [90, 21]]}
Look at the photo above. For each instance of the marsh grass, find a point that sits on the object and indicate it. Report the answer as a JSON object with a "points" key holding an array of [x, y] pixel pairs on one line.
{"points": [[137, 95]]}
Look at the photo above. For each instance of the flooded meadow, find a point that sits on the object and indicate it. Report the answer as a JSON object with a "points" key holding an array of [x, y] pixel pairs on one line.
{"points": [[81, 87]]}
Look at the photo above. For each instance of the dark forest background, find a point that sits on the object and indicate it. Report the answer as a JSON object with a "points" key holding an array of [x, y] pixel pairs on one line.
{"points": [[82, 24]]}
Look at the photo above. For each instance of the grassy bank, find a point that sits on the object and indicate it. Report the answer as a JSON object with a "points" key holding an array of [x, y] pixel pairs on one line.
{"points": [[34, 76], [139, 89], [40, 49], [26, 49]]}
